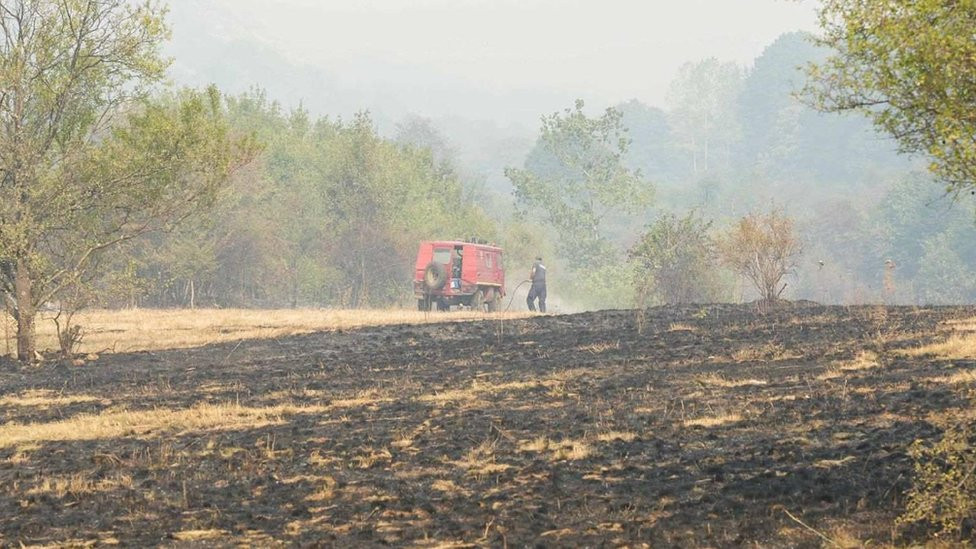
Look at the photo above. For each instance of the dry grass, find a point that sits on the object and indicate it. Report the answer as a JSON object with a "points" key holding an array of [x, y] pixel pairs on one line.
{"points": [[151, 329], [960, 343], [610, 436], [449, 487], [770, 351], [682, 327], [712, 421], [198, 535], [472, 394], [957, 346], [597, 348], [362, 399], [962, 325], [965, 377], [45, 399], [564, 450], [115, 424], [716, 380], [865, 360], [480, 460], [571, 450], [80, 484]]}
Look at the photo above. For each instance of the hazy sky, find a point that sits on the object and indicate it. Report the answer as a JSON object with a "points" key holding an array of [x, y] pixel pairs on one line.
{"points": [[431, 53]]}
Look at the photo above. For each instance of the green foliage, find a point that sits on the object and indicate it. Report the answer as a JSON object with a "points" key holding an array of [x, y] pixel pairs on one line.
{"points": [[585, 182], [607, 286], [329, 214], [577, 181], [908, 65], [944, 490], [88, 158], [675, 261], [705, 121]]}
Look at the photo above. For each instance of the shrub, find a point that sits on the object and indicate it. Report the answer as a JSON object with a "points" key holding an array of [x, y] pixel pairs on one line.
{"points": [[944, 492], [763, 248], [675, 261]]}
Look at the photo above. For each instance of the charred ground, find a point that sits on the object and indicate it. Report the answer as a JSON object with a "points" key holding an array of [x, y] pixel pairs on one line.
{"points": [[705, 427]]}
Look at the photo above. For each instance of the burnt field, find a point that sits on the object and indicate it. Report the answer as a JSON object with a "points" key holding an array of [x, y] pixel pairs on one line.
{"points": [[710, 427]]}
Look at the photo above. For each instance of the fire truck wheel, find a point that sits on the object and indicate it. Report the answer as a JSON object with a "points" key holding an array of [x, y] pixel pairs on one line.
{"points": [[478, 301], [435, 276], [495, 302]]}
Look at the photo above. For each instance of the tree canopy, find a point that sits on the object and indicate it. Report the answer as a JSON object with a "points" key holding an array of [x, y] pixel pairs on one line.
{"points": [[89, 158], [582, 180], [908, 65]]}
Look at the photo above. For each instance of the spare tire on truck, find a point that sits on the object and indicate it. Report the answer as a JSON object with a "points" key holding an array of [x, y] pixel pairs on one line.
{"points": [[435, 276]]}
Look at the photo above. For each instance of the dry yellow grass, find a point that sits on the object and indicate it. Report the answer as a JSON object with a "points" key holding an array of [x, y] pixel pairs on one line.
{"points": [[597, 348], [449, 487], [540, 444], [712, 421], [571, 450], [964, 377], [198, 535], [957, 346], [480, 460], [610, 436], [962, 325], [568, 449], [152, 329], [114, 424], [80, 483], [478, 389], [719, 381], [865, 360], [960, 342], [769, 351], [43, 398]]}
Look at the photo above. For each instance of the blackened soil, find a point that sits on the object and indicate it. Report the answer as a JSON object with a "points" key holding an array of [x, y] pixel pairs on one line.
{"points": [[692, 426]]}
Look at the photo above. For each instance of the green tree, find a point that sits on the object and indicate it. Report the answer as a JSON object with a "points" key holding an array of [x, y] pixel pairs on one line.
{"points": [[87, 161], [676, 261], [652, 149], [585, 181], [703, 115], [908, 65]]}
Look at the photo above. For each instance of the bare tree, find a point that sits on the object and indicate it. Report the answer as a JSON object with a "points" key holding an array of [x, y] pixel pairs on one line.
{"points": [[763, 248]]}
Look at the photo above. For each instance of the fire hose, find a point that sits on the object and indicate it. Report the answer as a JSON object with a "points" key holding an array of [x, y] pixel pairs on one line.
{"points": [[515, 291]]}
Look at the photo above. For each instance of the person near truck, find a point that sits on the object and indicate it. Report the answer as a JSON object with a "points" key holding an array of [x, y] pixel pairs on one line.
{"points": [[538, 290]]}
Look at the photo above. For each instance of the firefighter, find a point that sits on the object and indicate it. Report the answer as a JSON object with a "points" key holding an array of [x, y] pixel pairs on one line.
{"points": [[538, 279]]}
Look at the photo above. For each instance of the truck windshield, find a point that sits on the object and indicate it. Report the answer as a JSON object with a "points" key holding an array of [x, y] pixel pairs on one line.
{"points": [[442, 255]]}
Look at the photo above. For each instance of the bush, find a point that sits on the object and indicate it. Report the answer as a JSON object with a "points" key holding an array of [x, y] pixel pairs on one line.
{"points": [[675, 261], [944, 493], [763, 248]]}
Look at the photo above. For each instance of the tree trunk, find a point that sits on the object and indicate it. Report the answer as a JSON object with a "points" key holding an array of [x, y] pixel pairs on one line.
{"points": [[23, 288]]}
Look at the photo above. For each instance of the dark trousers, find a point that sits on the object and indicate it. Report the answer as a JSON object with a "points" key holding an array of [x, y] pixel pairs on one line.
{"points": [[538, 290]]}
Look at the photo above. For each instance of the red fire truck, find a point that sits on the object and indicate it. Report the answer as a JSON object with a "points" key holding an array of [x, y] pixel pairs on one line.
{"points": [[453, 272]]}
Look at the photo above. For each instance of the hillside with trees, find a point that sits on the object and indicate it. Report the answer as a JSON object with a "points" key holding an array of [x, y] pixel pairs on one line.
{"points": [[326, 211], [330, 211]]}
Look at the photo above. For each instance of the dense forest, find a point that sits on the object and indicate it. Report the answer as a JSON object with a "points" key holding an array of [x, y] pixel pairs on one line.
{"points": [[330, 211]]}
